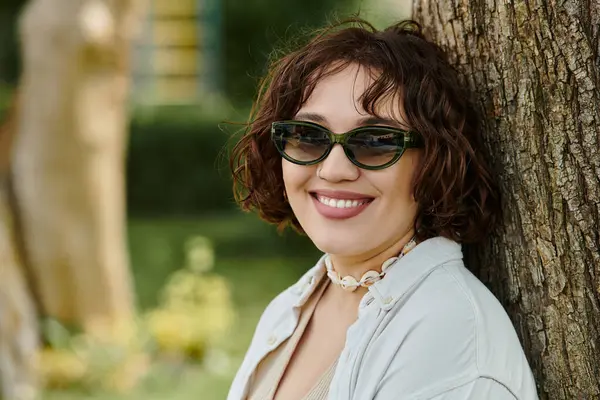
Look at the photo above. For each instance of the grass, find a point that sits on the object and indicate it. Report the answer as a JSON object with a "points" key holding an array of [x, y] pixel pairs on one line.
{"points": [[257, 262], [247, 251]]}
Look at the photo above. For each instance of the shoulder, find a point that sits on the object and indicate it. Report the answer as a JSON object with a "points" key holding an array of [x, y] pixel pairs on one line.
{"points": [[494, 337], [453, 331]]}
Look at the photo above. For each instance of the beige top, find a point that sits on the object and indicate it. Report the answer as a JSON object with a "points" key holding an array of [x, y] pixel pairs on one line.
{"points": [[271, 369]]}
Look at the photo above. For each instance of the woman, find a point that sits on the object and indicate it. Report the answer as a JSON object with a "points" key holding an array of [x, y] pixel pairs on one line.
{"points": [[365, 141]]}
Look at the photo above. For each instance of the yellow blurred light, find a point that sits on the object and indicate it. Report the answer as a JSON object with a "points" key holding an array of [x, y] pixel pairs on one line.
{"points": [[175, 61], [175, 8], [177, 89], [175, 33]]}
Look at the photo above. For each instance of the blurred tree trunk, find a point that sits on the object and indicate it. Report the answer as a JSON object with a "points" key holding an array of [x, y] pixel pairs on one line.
{"points": [[18, 317], [535, 67], [68, 157]]}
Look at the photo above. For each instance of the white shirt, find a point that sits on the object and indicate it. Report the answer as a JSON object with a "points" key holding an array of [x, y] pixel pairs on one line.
{"points": [[428, 330]]}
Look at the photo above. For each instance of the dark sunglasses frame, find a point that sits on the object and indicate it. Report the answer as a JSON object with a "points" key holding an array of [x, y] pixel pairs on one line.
{"points": [[410, 140]]}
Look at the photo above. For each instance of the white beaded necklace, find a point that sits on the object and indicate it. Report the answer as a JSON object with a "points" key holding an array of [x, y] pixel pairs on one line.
{"points": [[350, 283]]}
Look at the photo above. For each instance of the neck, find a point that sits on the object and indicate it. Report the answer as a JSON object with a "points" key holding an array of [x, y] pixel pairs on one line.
{"points": [[356, 266]]}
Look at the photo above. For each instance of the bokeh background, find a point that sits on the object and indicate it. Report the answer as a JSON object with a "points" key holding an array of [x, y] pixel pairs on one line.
{"points": [[194, 72]]}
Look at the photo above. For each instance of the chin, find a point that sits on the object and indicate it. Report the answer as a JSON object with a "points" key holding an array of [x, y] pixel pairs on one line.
{"points": [[346, 246]]}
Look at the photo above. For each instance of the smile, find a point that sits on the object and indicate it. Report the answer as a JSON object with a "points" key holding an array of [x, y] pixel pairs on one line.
{"points": [[340, 203]]}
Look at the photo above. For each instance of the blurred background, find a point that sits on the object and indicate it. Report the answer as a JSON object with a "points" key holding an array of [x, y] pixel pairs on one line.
{"points": [[172, 316]]}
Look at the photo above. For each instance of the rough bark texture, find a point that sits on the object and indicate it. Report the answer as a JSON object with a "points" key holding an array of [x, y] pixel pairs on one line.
{"points": [[535, 67], [68, 157]]}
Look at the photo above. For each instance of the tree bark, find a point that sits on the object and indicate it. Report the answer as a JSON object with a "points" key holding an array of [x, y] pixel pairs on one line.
{"points": [[68, 157], [535, 68]]}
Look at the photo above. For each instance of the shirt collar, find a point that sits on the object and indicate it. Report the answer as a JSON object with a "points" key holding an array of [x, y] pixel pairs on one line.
{"points": [[412, 268], [307, 284], [401, 276]]}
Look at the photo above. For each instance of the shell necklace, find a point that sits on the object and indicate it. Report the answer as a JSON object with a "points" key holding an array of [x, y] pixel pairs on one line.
{"points": [[350, 283]]}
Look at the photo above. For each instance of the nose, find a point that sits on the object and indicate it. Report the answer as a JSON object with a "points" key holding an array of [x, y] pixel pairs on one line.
{"points": [[336, 167]]}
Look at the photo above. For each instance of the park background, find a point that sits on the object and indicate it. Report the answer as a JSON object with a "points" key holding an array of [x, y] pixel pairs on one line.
{"points": [[126, 271], [195, 67]]}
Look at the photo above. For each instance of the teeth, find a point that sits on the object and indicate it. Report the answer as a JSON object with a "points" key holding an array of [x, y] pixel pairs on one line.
{"points": [[339, 203]]}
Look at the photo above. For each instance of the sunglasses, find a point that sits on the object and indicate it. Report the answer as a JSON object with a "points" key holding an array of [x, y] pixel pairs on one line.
{"points": [[367, 147]]}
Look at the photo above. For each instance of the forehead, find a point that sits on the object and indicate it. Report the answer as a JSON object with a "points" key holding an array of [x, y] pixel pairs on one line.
{"points": [[338, 96]]}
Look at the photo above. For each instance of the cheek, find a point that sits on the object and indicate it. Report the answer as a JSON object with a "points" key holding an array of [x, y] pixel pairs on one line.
{"points": [[295, 177], [404, 189], [398, 193], [289, 175], [396, 187]]}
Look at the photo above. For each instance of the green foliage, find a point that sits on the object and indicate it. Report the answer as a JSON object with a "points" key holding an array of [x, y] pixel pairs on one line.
{"points": [[250, 31], [194, 311], [255, 272], [240, 241], [195, 306], [5, 99], [253, 28], [9, 50], [177, 163], [12, 5], [107, 357]]}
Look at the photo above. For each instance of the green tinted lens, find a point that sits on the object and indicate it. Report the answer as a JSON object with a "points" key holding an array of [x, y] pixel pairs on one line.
{"points": [[374, 147], [299, 142]]}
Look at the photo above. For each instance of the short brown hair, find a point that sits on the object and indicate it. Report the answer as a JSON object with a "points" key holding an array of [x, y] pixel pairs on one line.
{"points": [[453, 186]]}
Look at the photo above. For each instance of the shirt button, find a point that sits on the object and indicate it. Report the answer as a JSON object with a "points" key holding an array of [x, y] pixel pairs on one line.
{"points": [[271, 340], [303, 286], [366, 302], [388, 300]]}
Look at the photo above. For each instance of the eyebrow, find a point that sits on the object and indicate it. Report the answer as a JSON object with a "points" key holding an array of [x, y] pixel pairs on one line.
{"points": [[312, 117], [368, 120]]}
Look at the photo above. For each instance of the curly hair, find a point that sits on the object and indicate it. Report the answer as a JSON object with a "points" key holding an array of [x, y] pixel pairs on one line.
{"points": [[453, 186]]}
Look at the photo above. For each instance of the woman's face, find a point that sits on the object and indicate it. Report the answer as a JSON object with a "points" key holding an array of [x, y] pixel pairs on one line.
{"points": [[389, 209]]}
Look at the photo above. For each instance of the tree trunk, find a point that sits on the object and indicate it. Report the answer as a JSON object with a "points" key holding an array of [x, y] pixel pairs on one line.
{"points": [[68, 157], [535, 67], [18, 319], [18, 316]]}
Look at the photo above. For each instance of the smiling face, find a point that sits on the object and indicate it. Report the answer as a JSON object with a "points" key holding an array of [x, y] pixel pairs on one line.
{"points": [[346, 210]]}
